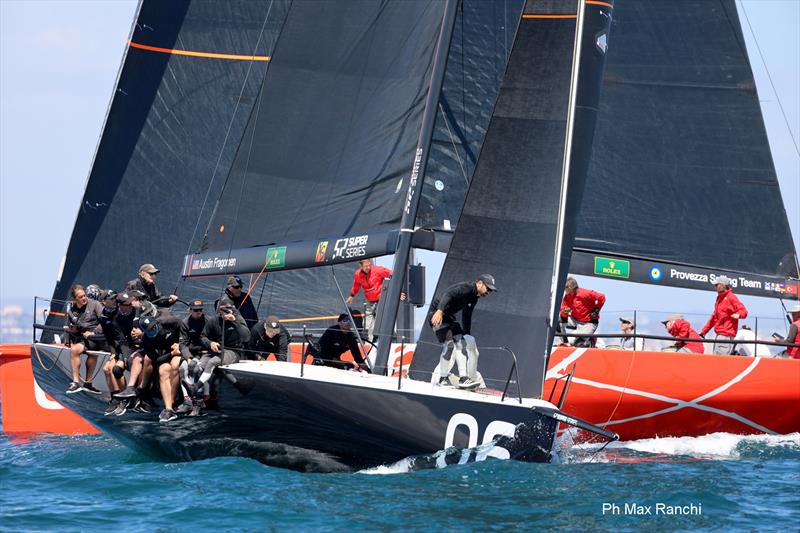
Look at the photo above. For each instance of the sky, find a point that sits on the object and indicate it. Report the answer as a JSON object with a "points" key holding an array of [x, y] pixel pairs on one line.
{"points": [[58, 67]]}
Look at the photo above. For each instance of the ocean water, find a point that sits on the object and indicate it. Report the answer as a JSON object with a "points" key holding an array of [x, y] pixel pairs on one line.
{"points": [[91, 483]]}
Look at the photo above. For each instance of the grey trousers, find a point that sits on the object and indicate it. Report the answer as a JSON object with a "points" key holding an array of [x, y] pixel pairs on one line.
{"points": [[723, 348]]}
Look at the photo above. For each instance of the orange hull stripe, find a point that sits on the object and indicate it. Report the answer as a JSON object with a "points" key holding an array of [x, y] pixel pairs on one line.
{"points": [[198, 54]]}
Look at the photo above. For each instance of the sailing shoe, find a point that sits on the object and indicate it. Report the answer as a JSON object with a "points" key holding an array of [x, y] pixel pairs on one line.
{"points": [[112, 407], [167, 415], [185, 407], [88, 387], [73, 388], [444, 381], [466, 383], [128, 392], [122, 408], [142, 406], [191, 388], [197, 408]]}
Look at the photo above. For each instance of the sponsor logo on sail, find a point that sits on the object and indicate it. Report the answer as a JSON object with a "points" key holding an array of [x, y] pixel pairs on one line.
{"points": [[350, 247], [655, 273], [218, 263], [322, 250], [276, 257], [615, 268], [412, 185]]}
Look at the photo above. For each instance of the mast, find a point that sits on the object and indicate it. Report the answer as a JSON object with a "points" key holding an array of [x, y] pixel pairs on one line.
{"points": [[385, 328]]}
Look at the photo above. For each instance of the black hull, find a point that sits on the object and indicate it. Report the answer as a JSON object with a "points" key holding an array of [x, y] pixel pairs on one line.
{"points": [[312, 425]]}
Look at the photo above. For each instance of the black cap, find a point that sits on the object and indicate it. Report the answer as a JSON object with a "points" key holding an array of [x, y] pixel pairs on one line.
{"points": [[108, 295], [225, 303], [488, 280], [272, 322], [124, 298], [344, 317], [234, 281], [196, 305], [149, 326]]}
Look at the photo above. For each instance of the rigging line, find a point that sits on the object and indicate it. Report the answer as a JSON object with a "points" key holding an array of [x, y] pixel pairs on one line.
{"points": [[453, 142], [769, 76], [225, 141]]}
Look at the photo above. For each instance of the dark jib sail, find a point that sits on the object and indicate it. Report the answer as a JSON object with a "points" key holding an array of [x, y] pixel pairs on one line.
{"points": [[681, 185], [510, 225], [185, 90]]}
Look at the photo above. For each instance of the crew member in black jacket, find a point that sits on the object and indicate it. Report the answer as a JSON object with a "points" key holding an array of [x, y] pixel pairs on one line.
{"points": [[241, 300], [161, 344], [145, 283], [461, 297], [270, 337], [85, 334], [224, 338], [336, 340]]}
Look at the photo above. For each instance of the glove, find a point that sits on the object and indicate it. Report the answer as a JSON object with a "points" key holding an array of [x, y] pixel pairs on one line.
{"points": [[594, 314]]}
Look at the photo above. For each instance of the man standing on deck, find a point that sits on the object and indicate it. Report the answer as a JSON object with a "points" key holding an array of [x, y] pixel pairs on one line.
{"points": [[583, 307], [725, 318], [145, 283], [369, 277], [441, 316]]}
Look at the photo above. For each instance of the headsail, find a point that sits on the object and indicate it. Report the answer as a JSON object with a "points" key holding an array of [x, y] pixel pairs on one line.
{"points": [[185, 90], [681, 184], [510, 223]]}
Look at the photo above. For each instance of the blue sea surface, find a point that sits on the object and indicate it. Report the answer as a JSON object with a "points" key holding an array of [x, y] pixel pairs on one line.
{"points": [[92, 483]]}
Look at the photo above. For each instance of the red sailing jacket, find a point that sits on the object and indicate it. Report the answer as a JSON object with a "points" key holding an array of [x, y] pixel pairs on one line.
{"points": [[794, 351], [683, 330], [727, 304], [581, 303], [372, 283]]}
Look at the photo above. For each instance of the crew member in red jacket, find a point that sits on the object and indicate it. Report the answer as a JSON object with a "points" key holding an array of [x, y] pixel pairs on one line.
{"points": [[583, 307], [725, 318], [370, 278], [681, 329], [793, 337]]}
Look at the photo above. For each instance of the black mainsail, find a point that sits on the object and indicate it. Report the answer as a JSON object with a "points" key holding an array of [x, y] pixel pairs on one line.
{"points": [[681, 184]]}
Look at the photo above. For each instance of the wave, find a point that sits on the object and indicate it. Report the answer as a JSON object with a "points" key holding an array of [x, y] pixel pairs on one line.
{"points": [[714, 446]]}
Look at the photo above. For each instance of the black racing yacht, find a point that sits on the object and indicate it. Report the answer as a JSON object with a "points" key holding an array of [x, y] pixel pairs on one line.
{"points": [[329, 132]]}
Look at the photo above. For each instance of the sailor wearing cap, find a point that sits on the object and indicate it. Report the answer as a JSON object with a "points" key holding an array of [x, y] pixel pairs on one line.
{"points": [[337, 340], [270, 337], [145, 283], [580, 311], [725, 317], [681, 329], [241, 300], [628, 327], [461, 297]]}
